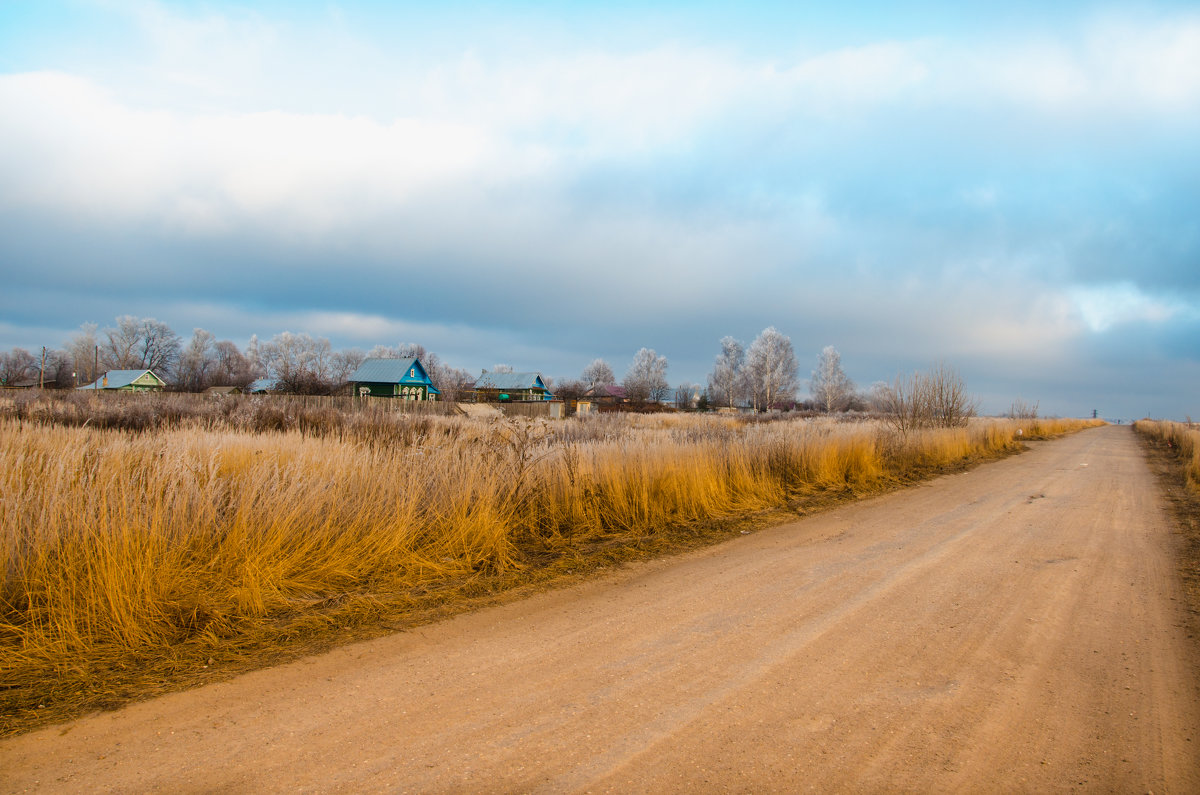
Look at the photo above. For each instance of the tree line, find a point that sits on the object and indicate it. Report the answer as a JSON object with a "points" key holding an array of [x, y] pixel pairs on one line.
{"points": [[762, 376]]}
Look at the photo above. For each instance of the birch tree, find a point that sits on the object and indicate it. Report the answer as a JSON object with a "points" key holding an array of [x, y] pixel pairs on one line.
{"points": [[832, 389], [646, 379], [727, 381], [598, 373], [771, 369]]}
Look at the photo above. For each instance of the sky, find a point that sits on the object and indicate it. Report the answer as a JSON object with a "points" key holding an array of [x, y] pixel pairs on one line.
{"points": [[1013, 191]]}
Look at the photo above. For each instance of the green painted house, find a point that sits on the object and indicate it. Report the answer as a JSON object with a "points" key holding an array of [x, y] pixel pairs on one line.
{"points": [[400, 378], [128, 381]]}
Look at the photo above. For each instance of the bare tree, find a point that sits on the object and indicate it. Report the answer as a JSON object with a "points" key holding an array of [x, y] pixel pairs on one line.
{"points": [[727, 381], [952, 405], [17, 365], [686, 396], [454, 383], [771, 369], [646, 379], [142, 344], [598, 373], [83, 349], [1020, 410], [344, 363], [831, 387], [300, 363], [59, 369], [502, 368], [383, 352], [570, 389], [934, 399], [196, 363], [232, 368], [119, 348]]}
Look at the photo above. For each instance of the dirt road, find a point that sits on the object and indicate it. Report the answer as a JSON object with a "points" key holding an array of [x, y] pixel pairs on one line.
{"points": [[1014, 628]]}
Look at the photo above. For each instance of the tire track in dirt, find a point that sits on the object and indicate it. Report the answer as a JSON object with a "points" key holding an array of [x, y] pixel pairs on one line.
{"points": [[1014, 627]]}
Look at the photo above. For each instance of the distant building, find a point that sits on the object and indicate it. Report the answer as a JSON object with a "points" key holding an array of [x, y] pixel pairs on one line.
{"points": [[128, 381], [506, 387], [606, 395], [401, 378]]}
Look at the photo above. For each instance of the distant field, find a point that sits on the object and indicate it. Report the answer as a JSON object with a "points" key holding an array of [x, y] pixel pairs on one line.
{"points": [[174, 542]]}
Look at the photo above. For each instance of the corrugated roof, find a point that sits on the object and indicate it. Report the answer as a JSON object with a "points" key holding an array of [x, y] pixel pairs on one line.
{"points": [[510, 381], [387, 371], [392, 371], [606, 390], [119, 378]]}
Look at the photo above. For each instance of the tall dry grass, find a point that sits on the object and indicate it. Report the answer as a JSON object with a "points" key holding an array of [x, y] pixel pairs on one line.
{"points": [[1182, 438], [120, 547]]}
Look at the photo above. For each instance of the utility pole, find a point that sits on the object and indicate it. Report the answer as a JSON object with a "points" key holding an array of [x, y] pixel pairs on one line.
{"points": [[42, 372], [96, 366]]}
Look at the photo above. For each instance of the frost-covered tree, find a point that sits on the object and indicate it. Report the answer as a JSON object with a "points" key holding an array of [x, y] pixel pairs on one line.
{"points": [[454, 383], [344, 363], [232, 368], [771, 369], [646, 379], [140, 343], [299, 362], [254, 357], [727, 381], [598, 373], [196, 363], [502, 368], [832, 389]]}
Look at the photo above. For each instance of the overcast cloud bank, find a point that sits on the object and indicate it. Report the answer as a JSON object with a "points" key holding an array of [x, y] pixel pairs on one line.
{"points": [[1019, 201]]}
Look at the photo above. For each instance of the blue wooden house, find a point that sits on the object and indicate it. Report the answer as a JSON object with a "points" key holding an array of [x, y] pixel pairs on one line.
{"points": [[505, 387], [400, 378]]}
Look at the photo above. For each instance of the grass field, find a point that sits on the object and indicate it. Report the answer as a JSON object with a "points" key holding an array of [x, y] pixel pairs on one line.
{"points": [[137, 558], [1181, 439]]}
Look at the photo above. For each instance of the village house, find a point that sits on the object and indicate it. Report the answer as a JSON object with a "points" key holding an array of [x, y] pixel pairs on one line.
{"points": [[606, 395], [402, 378], [510, 387], [128, 381]]}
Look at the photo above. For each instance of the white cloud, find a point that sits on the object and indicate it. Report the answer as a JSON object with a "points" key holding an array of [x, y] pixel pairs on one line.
{"points": [[1104, 307], [68, 145]]}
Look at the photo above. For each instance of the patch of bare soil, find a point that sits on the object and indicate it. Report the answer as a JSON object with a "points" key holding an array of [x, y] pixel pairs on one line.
{"points": [[1018, 627]]}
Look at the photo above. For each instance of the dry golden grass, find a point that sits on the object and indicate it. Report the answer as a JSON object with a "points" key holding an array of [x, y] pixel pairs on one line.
{"points": [[160, 551], [1181, 439]]}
